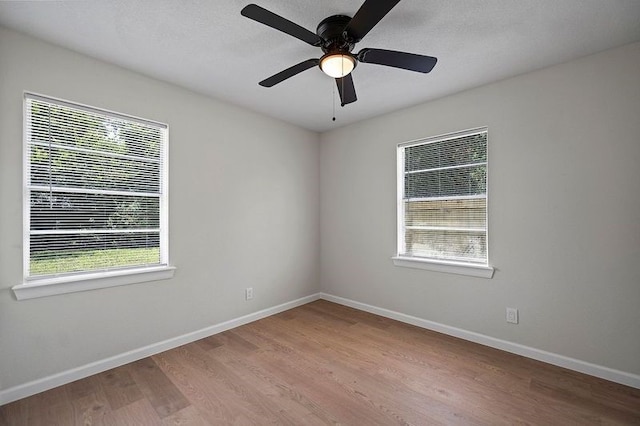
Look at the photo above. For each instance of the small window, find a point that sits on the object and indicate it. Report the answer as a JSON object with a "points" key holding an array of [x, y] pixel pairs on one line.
{"points": [[442, 198], [95, 191]]}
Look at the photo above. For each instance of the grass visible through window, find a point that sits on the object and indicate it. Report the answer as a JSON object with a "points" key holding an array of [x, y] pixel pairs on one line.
{"points": [[47, 263]]}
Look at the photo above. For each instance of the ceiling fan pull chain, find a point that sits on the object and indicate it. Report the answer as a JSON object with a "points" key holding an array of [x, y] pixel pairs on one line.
{"points": [[342, 79], [333, 103]]}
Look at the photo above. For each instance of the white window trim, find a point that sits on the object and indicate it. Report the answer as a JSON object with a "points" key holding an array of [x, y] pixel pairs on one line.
{"points": [[82, 282], [436, 265], [53, 285], [480, 271]]}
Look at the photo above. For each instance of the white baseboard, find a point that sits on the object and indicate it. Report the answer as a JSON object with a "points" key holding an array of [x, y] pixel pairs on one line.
{"points": [[50, 382], [607, 373], [46, 383]]}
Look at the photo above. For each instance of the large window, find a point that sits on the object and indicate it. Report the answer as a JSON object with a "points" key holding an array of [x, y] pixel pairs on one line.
{"points": [[95, 192], [442, 199]]}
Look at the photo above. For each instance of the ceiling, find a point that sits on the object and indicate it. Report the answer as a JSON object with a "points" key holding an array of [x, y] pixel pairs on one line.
{"points": [[208, 47]]}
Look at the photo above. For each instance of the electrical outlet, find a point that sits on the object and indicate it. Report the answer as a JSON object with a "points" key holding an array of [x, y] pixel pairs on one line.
{"points": [[248, 293], [512, 315]]}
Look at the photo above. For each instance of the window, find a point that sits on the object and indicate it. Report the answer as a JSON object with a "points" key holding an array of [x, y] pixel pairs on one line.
{"points": [[442, 203], [95, 195]]}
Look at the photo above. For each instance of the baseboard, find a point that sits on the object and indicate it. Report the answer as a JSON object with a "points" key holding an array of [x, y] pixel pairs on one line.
{"points": [[41, 385], [606, 373], [50, 382]]}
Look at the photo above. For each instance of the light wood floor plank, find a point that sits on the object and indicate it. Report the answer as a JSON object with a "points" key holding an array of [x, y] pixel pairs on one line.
{"points": [[345, 360], [218, 393], [161, 392], [281, 394], [140, 412], [90, 409], [189, 416], [119, 387], [325, 374]]}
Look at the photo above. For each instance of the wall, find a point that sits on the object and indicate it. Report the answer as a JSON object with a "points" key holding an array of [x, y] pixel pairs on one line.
{"points": [[243, 194], [564, 211], [244, 203]]}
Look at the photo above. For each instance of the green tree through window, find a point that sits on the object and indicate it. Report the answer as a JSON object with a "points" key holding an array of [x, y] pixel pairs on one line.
{"points": [[96, 190]]}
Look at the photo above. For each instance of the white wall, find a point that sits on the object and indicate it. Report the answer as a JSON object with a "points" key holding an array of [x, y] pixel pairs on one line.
{"points": [[564, 218], [244, 205], [564, 211]]}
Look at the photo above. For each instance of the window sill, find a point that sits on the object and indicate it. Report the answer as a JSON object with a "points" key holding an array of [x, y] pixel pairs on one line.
{"points": [[71, 284], [480, 271]]}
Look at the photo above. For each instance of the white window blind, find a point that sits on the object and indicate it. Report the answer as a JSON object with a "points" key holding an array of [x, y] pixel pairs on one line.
{"points": [[442, 203], [95, 189]]}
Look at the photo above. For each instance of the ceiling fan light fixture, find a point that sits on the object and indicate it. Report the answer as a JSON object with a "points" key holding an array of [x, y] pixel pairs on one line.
{"points": [[337, 65], [337, 36]]}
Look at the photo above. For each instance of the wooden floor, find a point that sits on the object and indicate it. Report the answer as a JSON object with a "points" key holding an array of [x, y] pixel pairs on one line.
{"points": [[324, 363]]}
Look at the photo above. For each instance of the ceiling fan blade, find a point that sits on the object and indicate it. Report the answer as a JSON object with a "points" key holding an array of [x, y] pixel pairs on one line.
{"points": [[369, 14], [289, 72], [262, 15], [346, 89], [393, 58]]}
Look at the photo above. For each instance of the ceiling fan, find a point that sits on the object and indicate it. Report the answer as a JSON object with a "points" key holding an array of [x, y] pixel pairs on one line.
{"points": [[337, 35]]}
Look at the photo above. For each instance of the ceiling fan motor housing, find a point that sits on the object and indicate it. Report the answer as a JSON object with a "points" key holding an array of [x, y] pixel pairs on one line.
{"points": [[332, 32]]}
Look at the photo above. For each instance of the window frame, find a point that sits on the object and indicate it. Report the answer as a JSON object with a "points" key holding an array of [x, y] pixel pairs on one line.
{"points": [[47, 285], [482, 270]]}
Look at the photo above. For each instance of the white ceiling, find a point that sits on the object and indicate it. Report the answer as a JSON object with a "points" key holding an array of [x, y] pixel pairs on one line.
{"points": [[207, 46]]}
